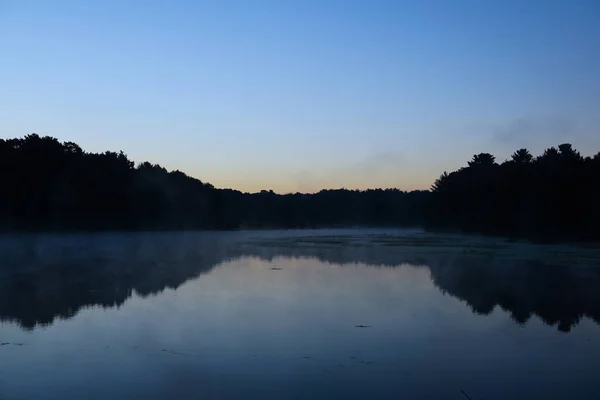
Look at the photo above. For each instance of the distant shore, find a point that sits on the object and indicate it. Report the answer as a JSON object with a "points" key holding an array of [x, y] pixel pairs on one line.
{"points": [[53, 186]]}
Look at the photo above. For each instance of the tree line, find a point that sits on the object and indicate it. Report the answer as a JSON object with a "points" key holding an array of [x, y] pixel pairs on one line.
{"points": [[48, 185], [53, 185], [553, 196]]}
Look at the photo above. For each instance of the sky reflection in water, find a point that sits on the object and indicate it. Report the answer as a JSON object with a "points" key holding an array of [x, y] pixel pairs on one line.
{"points": [[159, 316]]}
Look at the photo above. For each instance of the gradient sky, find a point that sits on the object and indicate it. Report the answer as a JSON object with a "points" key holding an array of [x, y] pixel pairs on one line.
{"points": [[305, 94]]}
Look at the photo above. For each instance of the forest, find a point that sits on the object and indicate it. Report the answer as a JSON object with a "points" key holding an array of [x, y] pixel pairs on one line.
{"points": [[48, 185], [554, 196]]}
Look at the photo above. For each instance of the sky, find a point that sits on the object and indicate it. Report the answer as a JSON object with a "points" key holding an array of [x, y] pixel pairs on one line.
{"points": [[306, 94]]}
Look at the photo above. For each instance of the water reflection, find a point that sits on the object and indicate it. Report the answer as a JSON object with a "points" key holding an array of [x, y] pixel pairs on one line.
{"points": [[42, 279]]}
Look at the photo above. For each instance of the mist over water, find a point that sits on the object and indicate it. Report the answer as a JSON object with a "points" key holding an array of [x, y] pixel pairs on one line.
{"points": [[296, 314]]}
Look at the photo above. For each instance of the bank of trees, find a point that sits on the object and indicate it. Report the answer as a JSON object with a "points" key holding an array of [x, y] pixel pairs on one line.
{"points": [[553, 196], [51, 185]]}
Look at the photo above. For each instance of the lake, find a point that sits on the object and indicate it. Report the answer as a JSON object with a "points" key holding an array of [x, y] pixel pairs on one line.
{"points": [[390, 314]]}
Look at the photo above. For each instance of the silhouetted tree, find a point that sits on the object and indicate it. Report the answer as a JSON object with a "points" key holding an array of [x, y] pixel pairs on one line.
{"points": [[49, 185], [548, 197], [482, 159], [522, 156]]}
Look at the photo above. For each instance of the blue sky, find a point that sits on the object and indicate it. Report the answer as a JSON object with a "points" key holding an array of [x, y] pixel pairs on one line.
{"points": [[302, 95]]}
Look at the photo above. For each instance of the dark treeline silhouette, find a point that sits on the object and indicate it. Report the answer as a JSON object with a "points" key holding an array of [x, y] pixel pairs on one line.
{"points": [[553, 196], [50, 185], [50, 277]]}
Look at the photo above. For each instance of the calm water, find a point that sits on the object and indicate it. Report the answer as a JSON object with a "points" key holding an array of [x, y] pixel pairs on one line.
{"points": [[310, 314]]}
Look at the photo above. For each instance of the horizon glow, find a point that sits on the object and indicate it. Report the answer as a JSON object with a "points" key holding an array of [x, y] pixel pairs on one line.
{"points": [[302, 96]]}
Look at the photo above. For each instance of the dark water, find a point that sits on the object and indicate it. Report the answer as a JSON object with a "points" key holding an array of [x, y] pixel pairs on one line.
{"points": [[278, 315]]}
